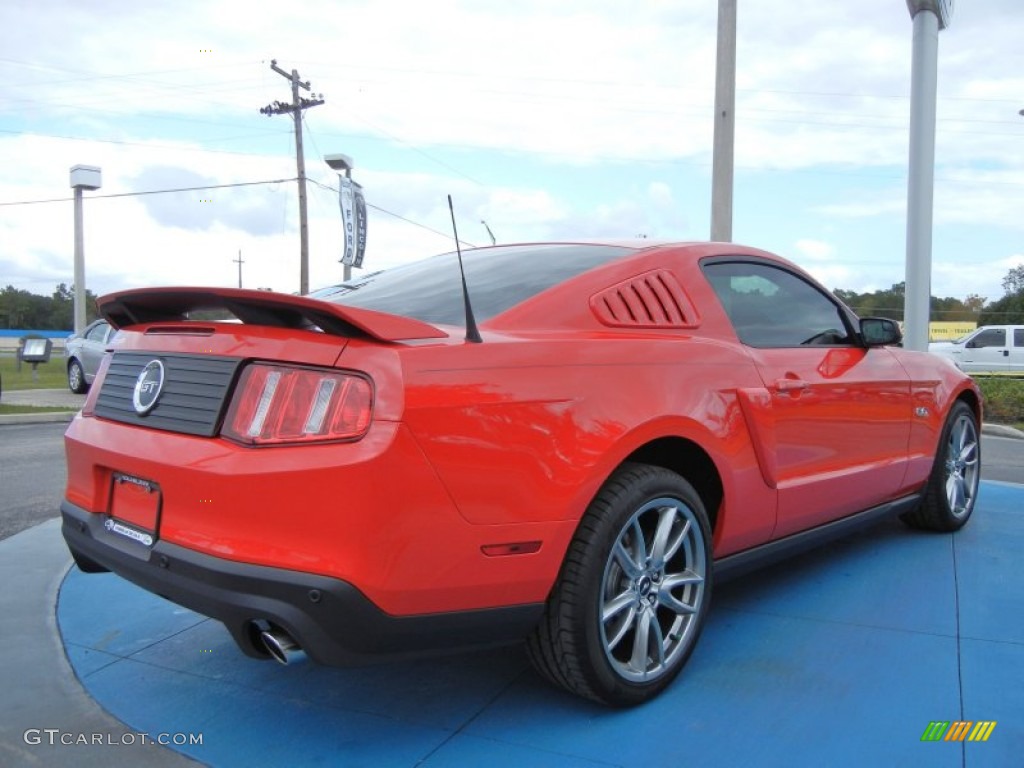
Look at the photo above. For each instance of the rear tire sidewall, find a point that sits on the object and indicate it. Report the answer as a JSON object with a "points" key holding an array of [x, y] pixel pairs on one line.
{"points": [[616, 689]]}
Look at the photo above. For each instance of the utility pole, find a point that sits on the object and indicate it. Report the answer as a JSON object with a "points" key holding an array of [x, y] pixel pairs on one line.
{"points": [[239, 262], [295, 108]]}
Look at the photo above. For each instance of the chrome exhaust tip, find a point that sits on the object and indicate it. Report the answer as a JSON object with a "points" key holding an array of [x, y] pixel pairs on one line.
{"points": [[281, 646]]}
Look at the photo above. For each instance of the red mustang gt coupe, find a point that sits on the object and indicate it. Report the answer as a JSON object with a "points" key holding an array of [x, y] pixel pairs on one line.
{"points": [[352, 474]]}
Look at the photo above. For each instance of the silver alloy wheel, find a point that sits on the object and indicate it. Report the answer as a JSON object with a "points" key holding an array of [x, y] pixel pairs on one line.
{"points": [[962, 466], [652, 590], [75, 377]]}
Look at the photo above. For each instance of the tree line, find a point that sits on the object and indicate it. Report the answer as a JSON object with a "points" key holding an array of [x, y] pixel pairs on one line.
{"points": [[1008, 310], [21, 309], [56, 312]]}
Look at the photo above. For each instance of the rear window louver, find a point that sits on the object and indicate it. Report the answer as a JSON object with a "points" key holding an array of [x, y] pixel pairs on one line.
{"points": [[652, 300]]}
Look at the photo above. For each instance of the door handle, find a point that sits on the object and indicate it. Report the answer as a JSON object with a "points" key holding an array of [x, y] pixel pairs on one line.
{"points": [[791, 385]]}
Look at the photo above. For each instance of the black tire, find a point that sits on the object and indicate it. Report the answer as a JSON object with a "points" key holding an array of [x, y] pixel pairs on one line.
{"points": [[617, 592], [953, 484], [76, 378]]}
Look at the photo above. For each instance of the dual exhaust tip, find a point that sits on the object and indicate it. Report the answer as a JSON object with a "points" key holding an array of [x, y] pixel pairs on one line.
{"points": [[281, 646]]}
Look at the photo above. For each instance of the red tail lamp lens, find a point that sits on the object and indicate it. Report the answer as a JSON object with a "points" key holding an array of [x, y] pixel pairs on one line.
{"points": [[277, 404]]}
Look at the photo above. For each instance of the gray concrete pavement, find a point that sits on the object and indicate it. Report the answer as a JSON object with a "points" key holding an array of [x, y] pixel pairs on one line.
{"points": [[42, 699], [55, 398], [41, 398]]}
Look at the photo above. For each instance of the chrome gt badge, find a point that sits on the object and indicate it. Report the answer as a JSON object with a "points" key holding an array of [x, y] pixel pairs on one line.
{"points": [[148, 387]]}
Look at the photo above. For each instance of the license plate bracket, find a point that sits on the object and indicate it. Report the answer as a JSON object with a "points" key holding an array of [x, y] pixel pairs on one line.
{"points": [[134, 508]]}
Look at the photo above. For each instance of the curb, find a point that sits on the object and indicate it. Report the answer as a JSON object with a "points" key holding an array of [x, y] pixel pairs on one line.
{"points": [[37, 418], [1000, 430]]}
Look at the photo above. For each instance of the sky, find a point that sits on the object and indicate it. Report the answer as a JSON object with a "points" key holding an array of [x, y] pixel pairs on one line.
{"points": [[576, 119]]}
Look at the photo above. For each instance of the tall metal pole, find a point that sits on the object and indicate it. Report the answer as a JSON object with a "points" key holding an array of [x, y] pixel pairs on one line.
{"points": [[300, 163], [82, 177], [725, 123], [79, 264], [298, 104], [921, 169], [346, 271]]}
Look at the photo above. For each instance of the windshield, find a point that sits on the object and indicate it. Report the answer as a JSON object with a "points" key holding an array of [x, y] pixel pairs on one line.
{"points": [[498, 278]]}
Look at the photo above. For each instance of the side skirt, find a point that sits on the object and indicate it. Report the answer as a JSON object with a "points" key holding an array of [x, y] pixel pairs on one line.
{"points": [[740, 563]]}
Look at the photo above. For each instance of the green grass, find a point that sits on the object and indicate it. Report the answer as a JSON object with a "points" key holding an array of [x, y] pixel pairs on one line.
{"points": [[7, 410], [1004, 399], [51, 375]]}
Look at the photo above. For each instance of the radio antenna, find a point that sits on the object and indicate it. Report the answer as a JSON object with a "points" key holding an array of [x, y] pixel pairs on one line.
{"points": [[472, 334]]}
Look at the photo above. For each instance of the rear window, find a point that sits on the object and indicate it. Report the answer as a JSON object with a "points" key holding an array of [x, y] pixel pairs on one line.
{"points": [[498, 279]]}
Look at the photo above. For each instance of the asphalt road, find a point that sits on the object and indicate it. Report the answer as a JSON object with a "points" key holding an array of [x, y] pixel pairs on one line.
{"points": [[33, 475], [32, 472]]}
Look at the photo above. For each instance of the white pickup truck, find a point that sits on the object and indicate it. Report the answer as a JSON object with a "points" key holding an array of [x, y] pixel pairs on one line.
{"points": [[991, 348]]}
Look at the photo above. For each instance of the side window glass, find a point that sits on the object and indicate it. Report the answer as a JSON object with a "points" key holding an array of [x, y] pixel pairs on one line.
{"points": [[98, 333], [1018, 337], [993, 337], [772, 307]]}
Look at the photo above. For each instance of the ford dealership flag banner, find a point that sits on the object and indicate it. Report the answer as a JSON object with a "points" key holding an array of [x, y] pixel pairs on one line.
{"points": [[353, 219]]}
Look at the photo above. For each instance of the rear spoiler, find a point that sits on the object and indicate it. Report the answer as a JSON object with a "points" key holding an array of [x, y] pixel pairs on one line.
{"points": [[158, 305]]}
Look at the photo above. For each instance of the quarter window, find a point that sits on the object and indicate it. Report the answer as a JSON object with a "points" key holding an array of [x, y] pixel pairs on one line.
{"points": [[771, 307]]}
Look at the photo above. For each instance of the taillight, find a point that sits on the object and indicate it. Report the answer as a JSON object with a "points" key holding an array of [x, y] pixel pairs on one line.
{"points": [[278, 404]]}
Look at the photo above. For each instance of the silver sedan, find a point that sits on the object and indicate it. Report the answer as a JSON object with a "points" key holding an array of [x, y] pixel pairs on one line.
{"points": [[84, 353]]}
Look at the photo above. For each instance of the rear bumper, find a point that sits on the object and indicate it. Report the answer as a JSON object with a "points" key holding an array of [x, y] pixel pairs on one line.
{"points": [[331, 620]]}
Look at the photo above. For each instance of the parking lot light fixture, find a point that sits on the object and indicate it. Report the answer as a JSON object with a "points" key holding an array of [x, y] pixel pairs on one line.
{"points": [[82, 177], [343, 164]]}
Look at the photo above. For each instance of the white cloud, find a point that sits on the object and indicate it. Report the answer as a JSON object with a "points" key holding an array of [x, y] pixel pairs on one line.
{"points": [[816, 250]]}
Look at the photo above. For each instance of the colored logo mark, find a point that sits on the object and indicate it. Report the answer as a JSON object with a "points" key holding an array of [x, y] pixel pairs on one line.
{"points": [[958, 730]]}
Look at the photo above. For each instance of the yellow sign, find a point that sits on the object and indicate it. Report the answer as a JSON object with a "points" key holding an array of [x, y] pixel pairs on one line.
{"points": [[948, 331]]}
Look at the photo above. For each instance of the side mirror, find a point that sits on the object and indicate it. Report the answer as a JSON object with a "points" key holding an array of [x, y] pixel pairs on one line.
{"points": [[880, 332]]}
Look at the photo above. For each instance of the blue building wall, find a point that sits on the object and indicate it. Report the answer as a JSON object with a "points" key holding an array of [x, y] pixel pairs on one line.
{"points": [[17, 333]]}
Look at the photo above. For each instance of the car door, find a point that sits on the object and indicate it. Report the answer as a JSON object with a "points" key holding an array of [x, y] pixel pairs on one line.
{"points": [[1016, 357], [832, 422], [986, 350], [94, 346]]}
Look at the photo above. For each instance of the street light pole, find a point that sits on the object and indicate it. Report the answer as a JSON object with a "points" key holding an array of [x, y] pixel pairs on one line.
{"points": [[82, 177], [346, 269], [343, 164]]}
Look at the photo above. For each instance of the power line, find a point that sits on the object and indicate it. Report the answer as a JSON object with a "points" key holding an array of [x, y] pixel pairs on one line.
{"points": [[148, 145], [152, 192]]}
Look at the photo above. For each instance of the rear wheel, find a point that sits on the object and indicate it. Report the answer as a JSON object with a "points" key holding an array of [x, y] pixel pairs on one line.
{"points": [[630, 602], [953, 485], [76, 378]]}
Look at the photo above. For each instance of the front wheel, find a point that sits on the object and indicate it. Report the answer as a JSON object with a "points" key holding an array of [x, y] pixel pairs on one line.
{"points": [[953, 484], [76, 378], [630, 601]]}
